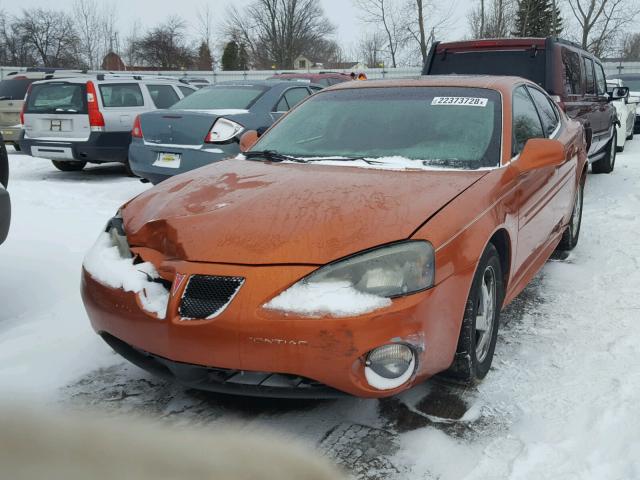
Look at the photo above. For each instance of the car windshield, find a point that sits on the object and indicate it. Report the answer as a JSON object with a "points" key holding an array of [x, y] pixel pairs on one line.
{"points": [[57, 98], [433, 126], [14, 89], [223, 97]]}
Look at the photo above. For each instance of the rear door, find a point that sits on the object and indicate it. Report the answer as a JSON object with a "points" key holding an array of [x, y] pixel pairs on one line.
{"points": [[121, 102], [605, 111], [593, 106], [57, 110]]}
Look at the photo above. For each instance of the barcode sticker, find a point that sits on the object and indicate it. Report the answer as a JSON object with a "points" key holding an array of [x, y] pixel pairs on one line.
{"points": [[466, 101]]}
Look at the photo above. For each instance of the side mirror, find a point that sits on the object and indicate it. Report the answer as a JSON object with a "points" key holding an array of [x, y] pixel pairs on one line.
{"points": [[539, 153], [248, 140], [619, 93]]}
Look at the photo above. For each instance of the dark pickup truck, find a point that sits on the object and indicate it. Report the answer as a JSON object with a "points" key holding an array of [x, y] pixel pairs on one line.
{"points": [[572, 76]]}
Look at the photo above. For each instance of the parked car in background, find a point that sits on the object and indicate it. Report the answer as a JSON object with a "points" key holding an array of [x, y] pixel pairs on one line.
{"points": [[574, 77], [89, 119], [5, 202], [632, 82], [366, 242], [197, 82], [626, 113], [326, 79], [13, 89], [205, 127]]}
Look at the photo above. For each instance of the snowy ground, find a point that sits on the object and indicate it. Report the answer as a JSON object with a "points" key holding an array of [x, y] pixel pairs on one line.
{"points": [[561, 401]]}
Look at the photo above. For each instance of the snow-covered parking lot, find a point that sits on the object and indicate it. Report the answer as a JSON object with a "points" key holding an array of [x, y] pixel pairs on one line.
{"points": [[562, 400]]}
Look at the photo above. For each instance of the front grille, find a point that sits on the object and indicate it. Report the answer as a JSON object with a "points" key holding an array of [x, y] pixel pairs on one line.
{"points": [[207, 296]]}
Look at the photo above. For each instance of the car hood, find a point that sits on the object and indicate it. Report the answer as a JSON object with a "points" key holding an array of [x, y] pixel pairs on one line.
{"points": [[247, 212]]}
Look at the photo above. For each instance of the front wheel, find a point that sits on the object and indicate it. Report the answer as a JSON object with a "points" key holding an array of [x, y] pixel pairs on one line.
{"points": [[572, 233], [479, 330], [68, 166], [608, 162]]}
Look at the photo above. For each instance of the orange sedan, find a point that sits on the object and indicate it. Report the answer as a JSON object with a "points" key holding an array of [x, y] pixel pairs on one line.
{"points": [[366, 242]]}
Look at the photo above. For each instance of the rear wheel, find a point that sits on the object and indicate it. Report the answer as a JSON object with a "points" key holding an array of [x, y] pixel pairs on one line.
{"points": [[572, 233], [68, 166], [479, 330], [608, 162], [127, 168], [4, 166]]}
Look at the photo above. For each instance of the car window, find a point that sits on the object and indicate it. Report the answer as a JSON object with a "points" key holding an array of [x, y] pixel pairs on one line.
{"points": [[222, 97], [282, 105], [601, 80], [438, 127], [57, 97], [546, 110], [15, 88], [335, 81], [121, 95], [526, 122], [571, 62], [589, 79], [186, 91], [324, 81], [295, 96], [163, 96]]}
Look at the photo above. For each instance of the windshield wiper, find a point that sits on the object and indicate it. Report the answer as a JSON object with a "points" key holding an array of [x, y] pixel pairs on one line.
{"points": [[272, 156], [344, 159]]}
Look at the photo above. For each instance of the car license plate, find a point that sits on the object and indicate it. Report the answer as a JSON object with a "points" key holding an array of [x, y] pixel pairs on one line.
{"points": [[168, 160]]}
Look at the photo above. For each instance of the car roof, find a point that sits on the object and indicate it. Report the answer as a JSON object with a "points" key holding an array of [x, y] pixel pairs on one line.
{"points": [[123, 79], [264, 83], [503, 84]]}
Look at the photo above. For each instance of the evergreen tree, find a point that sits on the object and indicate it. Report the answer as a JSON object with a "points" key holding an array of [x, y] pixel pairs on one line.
{"points": [[535, 18], [205, 60], [231, 56]]}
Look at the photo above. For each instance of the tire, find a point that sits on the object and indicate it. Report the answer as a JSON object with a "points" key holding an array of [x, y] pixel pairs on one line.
{"points": [[608, 162], [68, 166], [572, 232], [16, 147], [4, 166], [630, 137], [475, 346], [127, 168], [620, 149]]}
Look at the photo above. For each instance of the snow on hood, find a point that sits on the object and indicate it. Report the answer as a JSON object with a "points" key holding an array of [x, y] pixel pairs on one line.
{"points": [[252, 212], [336, 299], [105, 264]]}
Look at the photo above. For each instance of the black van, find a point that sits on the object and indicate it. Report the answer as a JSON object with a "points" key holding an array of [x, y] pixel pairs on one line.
{"points": [[571, 75]]}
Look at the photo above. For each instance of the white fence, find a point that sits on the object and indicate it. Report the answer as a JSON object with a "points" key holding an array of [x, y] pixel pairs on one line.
{"points": [[611, 69]]}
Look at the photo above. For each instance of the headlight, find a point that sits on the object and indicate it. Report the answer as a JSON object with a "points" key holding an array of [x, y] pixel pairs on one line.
{"points": [[115, 229], [223, 131], [390, 271]]}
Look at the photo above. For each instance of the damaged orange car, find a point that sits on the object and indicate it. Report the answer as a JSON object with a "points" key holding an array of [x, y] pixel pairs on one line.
{"points": [[366, 242]]}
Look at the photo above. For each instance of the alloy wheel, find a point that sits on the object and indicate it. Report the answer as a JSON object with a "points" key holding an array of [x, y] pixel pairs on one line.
{"points": [[485, 313]]}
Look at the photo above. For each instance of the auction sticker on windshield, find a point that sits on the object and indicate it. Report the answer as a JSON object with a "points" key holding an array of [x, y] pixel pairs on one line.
{"points": [[467, 101]]}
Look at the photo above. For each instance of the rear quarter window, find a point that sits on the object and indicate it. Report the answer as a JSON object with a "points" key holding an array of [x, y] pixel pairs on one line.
{"points": [[186, 91], [121, 95], [163, 96], [589, 79]]}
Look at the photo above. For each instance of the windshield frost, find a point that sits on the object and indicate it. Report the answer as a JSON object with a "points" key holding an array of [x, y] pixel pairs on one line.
{"points": [[438, 126]]}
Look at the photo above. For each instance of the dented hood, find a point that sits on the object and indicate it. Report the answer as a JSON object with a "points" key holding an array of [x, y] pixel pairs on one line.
{"points": [[249, 212]]}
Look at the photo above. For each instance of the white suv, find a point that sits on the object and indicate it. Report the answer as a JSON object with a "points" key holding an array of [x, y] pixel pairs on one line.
{"points": [[89, 118]]}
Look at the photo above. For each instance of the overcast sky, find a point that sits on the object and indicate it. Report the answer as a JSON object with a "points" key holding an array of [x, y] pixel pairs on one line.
{"points": [[341, 12]]}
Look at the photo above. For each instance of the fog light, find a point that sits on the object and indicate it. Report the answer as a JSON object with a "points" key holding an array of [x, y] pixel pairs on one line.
{"points": [[389, 366]]}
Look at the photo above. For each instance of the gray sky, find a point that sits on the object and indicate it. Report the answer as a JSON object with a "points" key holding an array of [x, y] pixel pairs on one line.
{"points": [[341, 12]]}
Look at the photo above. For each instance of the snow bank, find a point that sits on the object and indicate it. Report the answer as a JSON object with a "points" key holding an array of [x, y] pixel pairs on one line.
{"points": [[104, 263], [336, 299]]}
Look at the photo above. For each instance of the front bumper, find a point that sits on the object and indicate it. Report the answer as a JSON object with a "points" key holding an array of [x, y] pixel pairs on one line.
{"points": [[5, 213], [100, 147], [245, 337], [142, 156]]}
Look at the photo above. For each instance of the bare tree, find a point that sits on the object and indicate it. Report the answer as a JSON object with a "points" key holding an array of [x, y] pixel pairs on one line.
{"points": [[631, 47], [277, 31], [164, 46], [131, 55], [423, 21], [387, 15], [88, 25], [370, 49], [204, 23], [602, 22], [492, 19], [51, 34]]}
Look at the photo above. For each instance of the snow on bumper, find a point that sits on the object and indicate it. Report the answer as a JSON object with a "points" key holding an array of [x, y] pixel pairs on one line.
{"points": [[106, 265]]}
